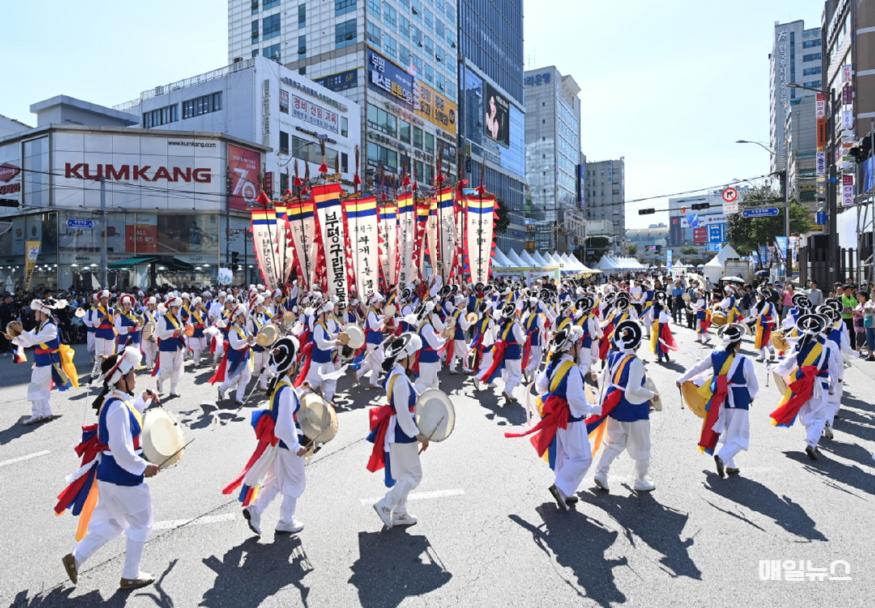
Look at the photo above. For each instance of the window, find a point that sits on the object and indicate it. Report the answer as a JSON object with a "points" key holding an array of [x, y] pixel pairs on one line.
{"points": [[390, 46], [403, 27], [270, 27], [382, 121], [416, 7], [342, 7], [429, 46], [373, 34], [380, 156], [302, 15], [814, 84], [374, 8], [284, 142], [810, 44], [284, 182], [428, 17], [429, 142], [284, 101], [255, 31], [429, 73], [309, 151], [404, 56], [302, 45], [255, 52], [161, 116], [254, 6], [202, 105], [390, 15], [344, 34], [269, 4], [811, 71], [417, 137], [344, 126], [811, 57], [417, 64], [404, 131], [344, 162], [272, 52], [416, 35]]}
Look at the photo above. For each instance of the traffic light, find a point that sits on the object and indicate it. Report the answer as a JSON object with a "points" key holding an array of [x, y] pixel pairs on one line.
{"points": [[648, 211], [701, 205], [235, 261]]}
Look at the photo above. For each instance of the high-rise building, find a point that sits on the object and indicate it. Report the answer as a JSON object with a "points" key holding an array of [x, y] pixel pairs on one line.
{"points": [[492, 123], [605, 197], [704, 228], [795, 58], [396, 58], [802, 151], [552, 148]]}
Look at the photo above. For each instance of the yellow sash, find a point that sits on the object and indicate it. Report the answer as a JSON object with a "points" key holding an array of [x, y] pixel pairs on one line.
{"points": [[173, 321]]}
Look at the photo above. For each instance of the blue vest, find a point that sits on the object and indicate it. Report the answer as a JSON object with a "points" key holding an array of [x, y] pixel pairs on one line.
{"points": [[133, 335], [105, 329], [624, 410], [107, 468], [512, 349], [533, 330], [740, 394], [44, 357], [170, 345], [322, 356], [458, 332], [562, 389], [373, 336], [427, 354], [284, 385], [400, 435]]}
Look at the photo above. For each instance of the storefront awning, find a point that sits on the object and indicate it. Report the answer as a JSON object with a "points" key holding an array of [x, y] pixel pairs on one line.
{"points": [[169, 262]]}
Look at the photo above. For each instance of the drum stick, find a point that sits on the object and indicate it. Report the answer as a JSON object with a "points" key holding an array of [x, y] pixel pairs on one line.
{"points": [[681, 393], [433, 431], [166, 460]]}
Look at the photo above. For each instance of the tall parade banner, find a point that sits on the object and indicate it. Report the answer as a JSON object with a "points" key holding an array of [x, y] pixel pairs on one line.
{"points": [[264, 231], [406, 240], [361, 225], [389, 244], [285, 252], [479, 225], [420, 239], [303, 229], [329, 213], [460, 234], [431, 229], [447, 237]]}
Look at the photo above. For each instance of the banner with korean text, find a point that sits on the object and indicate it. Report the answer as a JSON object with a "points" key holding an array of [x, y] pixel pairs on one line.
{"points": [[329, 213], [361, 225]]}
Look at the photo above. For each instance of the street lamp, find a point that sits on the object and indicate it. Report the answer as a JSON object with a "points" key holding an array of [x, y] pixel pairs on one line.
{"points": [[786, 178]]}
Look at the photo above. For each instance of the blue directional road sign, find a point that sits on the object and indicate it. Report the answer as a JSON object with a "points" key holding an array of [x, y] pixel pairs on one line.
{"points": [[693, 220], [760, 212], [78, 222], [715, 233]]}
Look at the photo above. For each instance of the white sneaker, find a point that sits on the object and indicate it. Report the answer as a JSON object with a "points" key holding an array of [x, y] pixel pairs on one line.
{"points": [[643, 484], [289, 527], [403, 519], [384, 513], [253, 518], [601, 480], [221, 394], [32, 420]]}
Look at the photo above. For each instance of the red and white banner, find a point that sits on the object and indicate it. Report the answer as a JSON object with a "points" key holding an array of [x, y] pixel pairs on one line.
{"points": [[244, 172], [361, 226], [303, 229], [389, 245], [264, 231], [406, 240], [285, 253], [479, 226], [329, 213], [421, 240], [460, 234], [447, 236]]}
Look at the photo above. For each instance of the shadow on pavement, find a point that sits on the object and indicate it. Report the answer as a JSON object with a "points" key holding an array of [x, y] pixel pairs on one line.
{"points": [[658, 526], [578, 543], [849, 451], [251, 572], [835, 471], [17, 429], [757, 497], [393, 566], [512, 413], [853, 423]]}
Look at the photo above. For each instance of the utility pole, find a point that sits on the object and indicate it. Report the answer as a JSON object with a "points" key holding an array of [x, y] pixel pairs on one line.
{"points": [[788, 260], [103, 244]]}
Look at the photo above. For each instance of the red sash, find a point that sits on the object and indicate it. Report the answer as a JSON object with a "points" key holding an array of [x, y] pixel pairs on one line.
{"points": [[379, 424], [801, 390], [555, 417]]}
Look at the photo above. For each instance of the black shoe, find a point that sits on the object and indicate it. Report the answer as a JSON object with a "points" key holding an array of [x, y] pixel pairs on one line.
{"points": [[558, 497], [571, 501], [827, 433], [811, 452], [720, 470], [732, 471]]}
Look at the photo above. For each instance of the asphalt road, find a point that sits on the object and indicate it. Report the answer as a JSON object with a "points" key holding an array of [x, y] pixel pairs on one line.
{"points": [[488, 533]]}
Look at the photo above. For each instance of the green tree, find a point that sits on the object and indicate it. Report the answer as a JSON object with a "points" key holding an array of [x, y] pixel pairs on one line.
{"points": [[631, 248], [746, 235], [503, 219]]}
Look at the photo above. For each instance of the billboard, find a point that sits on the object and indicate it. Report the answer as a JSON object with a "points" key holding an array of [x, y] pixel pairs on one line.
{"points": [[496, 116], [244, 171], [389, 79], [315, 114], [10, 175], [435, 108]]}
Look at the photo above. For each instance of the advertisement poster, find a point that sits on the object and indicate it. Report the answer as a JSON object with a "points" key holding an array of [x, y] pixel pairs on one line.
{"points": [[31, 254], [389, 79], [244, 171], [496, 121], [142, 237]]}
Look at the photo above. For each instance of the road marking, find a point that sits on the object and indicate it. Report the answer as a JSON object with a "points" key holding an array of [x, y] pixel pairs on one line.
{"points": [[418, 496], [169, 524], [3, 463]]}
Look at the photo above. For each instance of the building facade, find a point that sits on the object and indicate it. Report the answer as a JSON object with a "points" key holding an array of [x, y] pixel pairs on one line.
{"points": [[702, 229], [257, 99], [395, 58], [169, 198], [605, 187], [648, 245], [795, 58], [801, 133], [553, 157]]}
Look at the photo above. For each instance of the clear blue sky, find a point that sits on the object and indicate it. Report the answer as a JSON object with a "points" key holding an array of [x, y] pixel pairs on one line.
{"points": [[670, 85]]}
